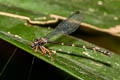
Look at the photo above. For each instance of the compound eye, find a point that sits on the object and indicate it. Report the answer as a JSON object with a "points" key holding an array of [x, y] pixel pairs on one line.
{"points": [[32, 45], [35, 40]]}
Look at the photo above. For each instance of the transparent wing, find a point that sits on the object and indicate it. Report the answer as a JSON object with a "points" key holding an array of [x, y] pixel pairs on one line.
{"points": [[67, 26]]}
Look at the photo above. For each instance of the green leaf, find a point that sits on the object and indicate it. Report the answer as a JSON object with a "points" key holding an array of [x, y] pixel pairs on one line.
{"points": [[80, 63]]}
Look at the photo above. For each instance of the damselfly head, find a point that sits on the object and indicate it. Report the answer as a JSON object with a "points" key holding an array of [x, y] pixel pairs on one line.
{"points": [[34, 43]]}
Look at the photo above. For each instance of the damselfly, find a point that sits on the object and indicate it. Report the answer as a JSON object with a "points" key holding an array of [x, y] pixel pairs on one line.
{"points": [[65, 27]]}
